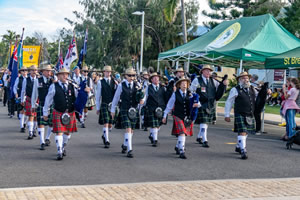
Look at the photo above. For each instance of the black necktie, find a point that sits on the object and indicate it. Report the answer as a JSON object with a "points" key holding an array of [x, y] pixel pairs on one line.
{"points": [[207, 81], [64, 87], [156, 88], [183, 95], [129, 85], [107, 81]]}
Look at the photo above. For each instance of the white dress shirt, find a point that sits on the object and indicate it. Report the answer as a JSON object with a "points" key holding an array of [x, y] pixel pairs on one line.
{"points": [[15, 89], [23, 96], [35, 92], [195, 84], [98, 92], [118, 95], [231, 99], [51, 94], [77, 79]]}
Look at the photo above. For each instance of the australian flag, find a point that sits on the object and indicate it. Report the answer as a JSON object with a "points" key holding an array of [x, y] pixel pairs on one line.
{"points": [[60, 62], [83, 50], [14, 70], [71, 54]]}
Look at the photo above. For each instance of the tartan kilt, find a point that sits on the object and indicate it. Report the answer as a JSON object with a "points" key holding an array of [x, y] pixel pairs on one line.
{"points": [[58, 127], [150, 120], [179, 127], [125, 121], [40, 119], [104, 116], [203, 117], [242, 126], [28, 107]]}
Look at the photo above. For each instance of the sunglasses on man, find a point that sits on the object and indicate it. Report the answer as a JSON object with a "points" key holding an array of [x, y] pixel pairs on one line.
{"points": [[131, 75]]}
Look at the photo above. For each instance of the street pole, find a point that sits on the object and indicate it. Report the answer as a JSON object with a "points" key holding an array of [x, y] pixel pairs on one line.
{"points": [[142, 42]]}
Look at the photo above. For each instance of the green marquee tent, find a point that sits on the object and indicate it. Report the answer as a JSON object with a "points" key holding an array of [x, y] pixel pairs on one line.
{"points": [[247, 40], [287, 60]]}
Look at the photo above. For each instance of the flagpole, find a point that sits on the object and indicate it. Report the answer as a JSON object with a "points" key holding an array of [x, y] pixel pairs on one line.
{"points": [[58, 48]]}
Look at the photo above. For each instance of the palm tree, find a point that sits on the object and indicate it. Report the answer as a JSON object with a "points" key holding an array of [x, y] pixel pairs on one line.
{"points": [[7, 39]]}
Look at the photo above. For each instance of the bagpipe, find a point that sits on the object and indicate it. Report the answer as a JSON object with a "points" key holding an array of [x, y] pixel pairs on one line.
{"points": [[193, 110], [261, 98], [222, 88], [82, 96]]}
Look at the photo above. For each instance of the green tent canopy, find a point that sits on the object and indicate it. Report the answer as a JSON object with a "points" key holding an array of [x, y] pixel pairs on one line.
{"points": [[250, 39], [287, 60]]}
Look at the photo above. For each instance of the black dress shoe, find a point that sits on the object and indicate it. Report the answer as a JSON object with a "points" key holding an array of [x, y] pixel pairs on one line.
{"points": [[42, 147], [22, 130], [182, 156], [177, 151], [103, 139], [124, 148], [205, 144], [24, 126], [47, 142], [154, 143], [199, 140], [238, 150], [145, 129], [129, 154], [64, 152], [244, 155], [82, 126], [151, 139], [107, 144], [60, 156], [30, 137], [34, 134]]}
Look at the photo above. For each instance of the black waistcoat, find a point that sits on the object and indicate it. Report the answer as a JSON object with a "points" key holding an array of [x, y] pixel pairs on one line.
{"points": [[43, 90], [19, 89], [182, 106], [107, 91], [128, 96], [207, 98], [64, 100], [156, 99], [244, 102], [29, 86]]}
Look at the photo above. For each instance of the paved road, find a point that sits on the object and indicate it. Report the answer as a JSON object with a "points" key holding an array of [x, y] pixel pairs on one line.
{"points": [[22, 164]]}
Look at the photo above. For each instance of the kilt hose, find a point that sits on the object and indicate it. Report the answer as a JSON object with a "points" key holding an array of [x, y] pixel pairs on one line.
{"points": [[203, 117], [150, 120], [58, 127], [28, 110], [104, 116], [125, 121], [179, 127], [40, 119], [241, 124]]}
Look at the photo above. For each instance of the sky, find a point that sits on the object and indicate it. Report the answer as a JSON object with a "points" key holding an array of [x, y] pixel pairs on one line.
{"points": [[46, 16]]}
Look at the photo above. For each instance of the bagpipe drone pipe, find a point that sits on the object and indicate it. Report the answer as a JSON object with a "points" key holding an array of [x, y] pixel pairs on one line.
{"points": [[82, 96], [194, 110], [261, 97], [222, 88]]}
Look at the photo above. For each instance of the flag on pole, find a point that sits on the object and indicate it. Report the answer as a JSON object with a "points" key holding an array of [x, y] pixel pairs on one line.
{"points": [[83, 50], [20, 51], [60, 62], [71, 54], [12, 56]]}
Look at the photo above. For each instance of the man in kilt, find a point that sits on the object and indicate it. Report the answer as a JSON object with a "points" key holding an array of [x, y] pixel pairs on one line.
{"points": [[155, 98], [182, 126], [17, 91], [89, 84], [26, 93], [179, 73], [41, 87], [207, 88], [104, 95], [243, 97], [63, 95], [128, 92]]}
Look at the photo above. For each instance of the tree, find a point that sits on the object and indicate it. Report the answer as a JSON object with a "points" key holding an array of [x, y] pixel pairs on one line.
{"points": [[291, 21]]}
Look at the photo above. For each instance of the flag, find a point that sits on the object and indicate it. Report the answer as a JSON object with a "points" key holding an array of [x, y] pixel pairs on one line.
{"points": [[20, 52], [14, 72], [83, 50], [12, 56], [71, 54], [60, 62]]}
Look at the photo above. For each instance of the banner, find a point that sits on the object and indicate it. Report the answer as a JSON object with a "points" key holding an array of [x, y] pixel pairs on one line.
{"points": [[31, 55]]}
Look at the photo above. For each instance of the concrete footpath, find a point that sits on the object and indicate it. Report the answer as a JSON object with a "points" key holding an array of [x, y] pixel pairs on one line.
{"points": [[258, 189]]}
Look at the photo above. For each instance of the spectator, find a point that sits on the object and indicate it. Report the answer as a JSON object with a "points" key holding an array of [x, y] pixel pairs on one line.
{"points": [[274, 97]]}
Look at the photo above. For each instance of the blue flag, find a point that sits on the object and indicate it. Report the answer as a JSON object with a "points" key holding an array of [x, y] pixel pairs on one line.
{"points": [[14, 72], [83, 50]]}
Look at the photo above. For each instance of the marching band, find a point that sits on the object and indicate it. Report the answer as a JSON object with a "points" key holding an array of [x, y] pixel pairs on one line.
{"points": [[60, 100]]}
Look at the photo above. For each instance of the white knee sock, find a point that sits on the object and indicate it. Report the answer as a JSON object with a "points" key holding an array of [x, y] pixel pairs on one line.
{"points": [[82, 118], [242, 141], [106, 134], [199, 133], [26, 119], [42, 135], [129, 147], [181, 143], [59, 143], [237, 142], [151, 132], [110, 129], [155, 134], [35, 126], [65, 140], [49, 133], [203, 129], [126, 136], [21, 116], [30, 127], [69, 137]]}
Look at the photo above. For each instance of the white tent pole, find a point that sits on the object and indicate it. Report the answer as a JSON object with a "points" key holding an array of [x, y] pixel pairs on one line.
{"points": [[241, 66], [157, 66], [188, 64], [284, 77], [177, 63]]}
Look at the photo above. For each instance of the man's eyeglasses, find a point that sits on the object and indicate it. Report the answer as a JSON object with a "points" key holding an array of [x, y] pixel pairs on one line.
{"points": [[131, 75], [85, 71]]}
